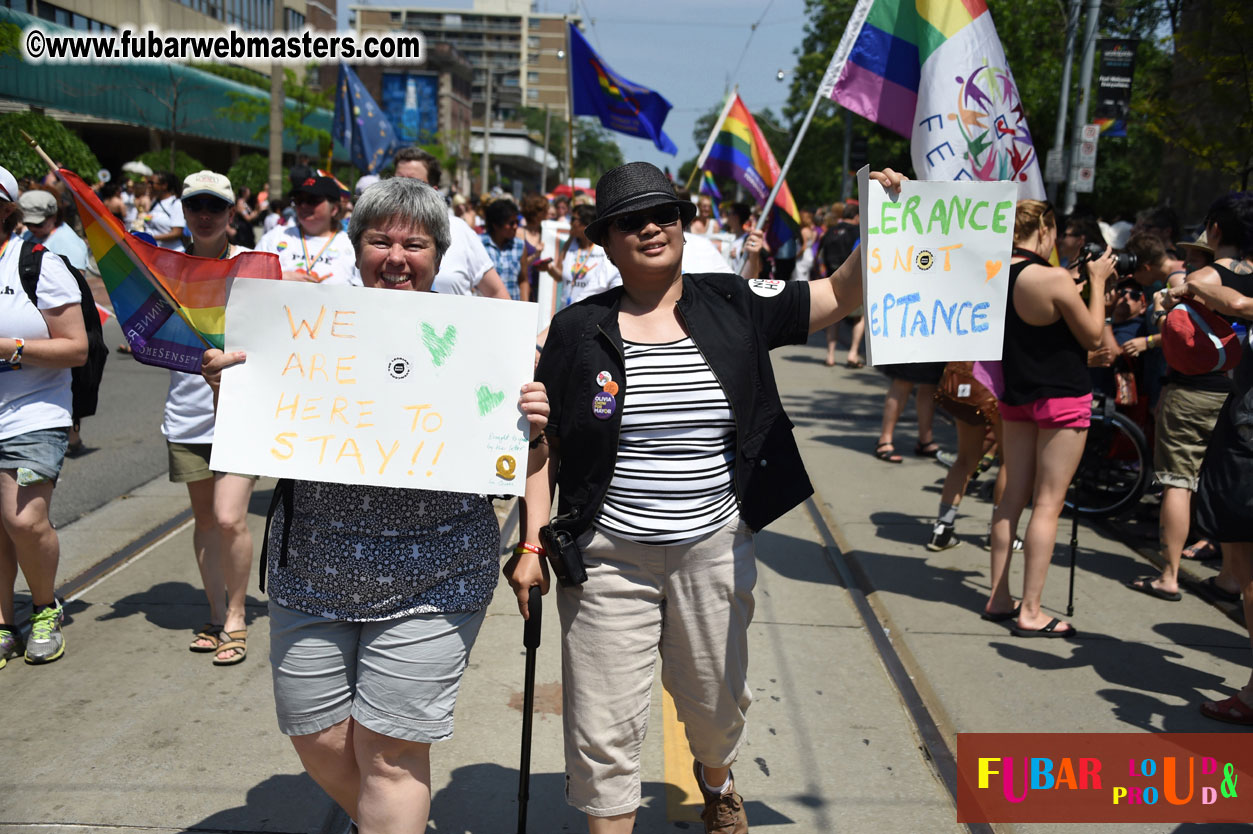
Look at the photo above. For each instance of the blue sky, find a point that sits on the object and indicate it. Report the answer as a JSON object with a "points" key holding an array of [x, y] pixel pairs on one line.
{"points": [[690, 51]]}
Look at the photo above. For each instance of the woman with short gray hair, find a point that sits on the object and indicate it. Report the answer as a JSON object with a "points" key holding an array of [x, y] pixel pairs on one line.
{"points": [[377, 593]]}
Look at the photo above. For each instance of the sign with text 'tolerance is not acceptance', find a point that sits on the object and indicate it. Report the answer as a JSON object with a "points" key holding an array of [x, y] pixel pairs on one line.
{"points": [[370, 386], [935, 269]]}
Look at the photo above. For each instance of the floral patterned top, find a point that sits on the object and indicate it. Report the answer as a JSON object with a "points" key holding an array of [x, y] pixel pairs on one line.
{"points": [[368, 553]]}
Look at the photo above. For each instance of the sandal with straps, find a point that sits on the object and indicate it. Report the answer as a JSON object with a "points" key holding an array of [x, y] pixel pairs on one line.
{"points": [[886, 452], [238, 644], [208, 631]]}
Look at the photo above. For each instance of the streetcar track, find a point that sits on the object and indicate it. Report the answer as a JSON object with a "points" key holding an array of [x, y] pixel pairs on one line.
{"points": [[905, 674]]}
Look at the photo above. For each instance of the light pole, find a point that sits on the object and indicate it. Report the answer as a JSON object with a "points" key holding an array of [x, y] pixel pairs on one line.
{"points": [[487, 129]]}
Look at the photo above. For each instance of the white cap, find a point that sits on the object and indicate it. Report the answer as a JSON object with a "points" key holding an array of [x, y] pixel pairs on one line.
{"points": [[37, 206], [8, 186], [207, 182], [366, 181]]}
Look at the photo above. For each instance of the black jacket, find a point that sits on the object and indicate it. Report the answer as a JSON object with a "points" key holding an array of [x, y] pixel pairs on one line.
{"points": [[734, 324]]}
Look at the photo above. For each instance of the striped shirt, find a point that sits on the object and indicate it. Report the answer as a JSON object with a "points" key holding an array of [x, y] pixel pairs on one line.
{"points": [[673, 480]]}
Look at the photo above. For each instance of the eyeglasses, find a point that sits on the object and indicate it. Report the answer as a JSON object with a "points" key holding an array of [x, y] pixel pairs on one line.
{"points": [[661, 216], [204, 206], [308, 200], [1134, 292]]}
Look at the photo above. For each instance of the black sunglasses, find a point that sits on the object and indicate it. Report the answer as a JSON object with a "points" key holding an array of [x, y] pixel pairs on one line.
{"points": [[1135, 293], [662, 216], [208, 204], [308, 200]]}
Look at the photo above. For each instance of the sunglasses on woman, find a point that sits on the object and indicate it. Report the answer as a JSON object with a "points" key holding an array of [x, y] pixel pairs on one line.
{"points": [[207, 205], [662, 216]]}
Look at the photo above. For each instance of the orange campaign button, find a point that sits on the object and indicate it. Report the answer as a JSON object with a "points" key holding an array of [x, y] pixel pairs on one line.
{"points": [[611, 387]]}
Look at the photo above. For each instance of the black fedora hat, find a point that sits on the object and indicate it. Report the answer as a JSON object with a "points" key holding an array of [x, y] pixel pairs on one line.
{"points": [[633, 187]]}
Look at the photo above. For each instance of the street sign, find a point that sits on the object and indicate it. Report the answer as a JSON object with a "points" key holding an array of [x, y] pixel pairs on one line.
{"points": [[1091, 133], [1085, 179], [1054, 167], [1086, 155]]}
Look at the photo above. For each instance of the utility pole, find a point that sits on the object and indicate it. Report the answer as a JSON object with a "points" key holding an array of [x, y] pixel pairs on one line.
{"points": [[1081, 110], [487, 130], [846, 182], [276, 114], [543, 171], [1063, 100]]}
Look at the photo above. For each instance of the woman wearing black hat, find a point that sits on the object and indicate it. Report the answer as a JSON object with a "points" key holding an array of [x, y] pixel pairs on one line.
{"points": [[314, 248], [671, 448]]}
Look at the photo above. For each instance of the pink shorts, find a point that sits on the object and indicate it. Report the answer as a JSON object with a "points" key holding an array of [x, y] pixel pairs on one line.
{"points": [[1052, 412]]}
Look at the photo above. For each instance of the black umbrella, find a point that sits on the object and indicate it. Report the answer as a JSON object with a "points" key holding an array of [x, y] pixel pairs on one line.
{"points": [[530, 639]]}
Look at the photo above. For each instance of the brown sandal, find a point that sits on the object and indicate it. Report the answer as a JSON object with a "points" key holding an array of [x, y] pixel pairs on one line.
{"points": [[238, 644], [208, 631]]}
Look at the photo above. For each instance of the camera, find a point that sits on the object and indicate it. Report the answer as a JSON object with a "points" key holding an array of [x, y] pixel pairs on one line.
{"points": [[1125, 264]]}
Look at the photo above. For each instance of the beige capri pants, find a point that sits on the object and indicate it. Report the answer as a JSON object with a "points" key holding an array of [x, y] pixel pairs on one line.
{"points": [[694, 602]]}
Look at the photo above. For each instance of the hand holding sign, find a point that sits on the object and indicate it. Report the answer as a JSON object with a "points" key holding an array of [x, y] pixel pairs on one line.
{"points": [[934, 269]]}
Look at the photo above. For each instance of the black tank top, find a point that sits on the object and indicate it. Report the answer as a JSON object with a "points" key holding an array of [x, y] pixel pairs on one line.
{"points": [[1040, 362]]}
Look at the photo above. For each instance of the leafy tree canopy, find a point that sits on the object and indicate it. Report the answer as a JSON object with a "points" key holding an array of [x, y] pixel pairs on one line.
{"points": [[55, 138]]}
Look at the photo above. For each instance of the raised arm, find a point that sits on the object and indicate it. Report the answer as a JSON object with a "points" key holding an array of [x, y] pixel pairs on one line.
{"points": [[834, 297]]}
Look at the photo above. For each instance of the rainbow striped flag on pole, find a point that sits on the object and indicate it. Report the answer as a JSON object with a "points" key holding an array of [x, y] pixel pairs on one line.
{"points": [[738, 150], [171, 306], [934, 72]]}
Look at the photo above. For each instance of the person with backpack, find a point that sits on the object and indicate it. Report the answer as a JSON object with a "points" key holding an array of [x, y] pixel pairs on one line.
{"points": [[40, 341], [44, 221]]}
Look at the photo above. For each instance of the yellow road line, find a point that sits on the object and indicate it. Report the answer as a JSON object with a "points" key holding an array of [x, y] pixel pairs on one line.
{"points": [[682, 796]]}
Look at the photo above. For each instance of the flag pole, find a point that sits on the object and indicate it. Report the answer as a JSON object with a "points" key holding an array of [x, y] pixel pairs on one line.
{"points": [[569, 112], [165, 296], [791, 154], [713, 134]]}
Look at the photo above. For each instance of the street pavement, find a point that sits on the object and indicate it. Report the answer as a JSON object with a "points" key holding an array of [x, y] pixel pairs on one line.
{"points": [[131, 732]]}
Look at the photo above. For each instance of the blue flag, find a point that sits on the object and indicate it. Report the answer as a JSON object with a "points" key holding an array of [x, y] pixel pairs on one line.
{"points": [[360, 125], [622, 106]]}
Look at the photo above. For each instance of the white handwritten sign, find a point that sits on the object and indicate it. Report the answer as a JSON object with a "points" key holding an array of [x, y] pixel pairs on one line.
{"points": [[373, 386], [935, 269]]}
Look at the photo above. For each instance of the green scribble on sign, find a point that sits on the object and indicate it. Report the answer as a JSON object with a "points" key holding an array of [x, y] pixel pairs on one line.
{"points": [[440, 347], [488, 399]]}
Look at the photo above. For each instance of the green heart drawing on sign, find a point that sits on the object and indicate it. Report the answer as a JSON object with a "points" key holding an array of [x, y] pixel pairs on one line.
{"points": [[439, 346], [488, 399]]}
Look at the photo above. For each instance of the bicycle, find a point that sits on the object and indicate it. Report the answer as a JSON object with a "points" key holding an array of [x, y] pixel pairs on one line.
{"points": [[1116, 465]]}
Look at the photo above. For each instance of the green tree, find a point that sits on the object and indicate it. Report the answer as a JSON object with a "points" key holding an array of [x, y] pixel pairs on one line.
{"points": [[534, 118], [251, 170], [1206, 110], [184, 163], [255, 109], [595, 151], [58, 142]]}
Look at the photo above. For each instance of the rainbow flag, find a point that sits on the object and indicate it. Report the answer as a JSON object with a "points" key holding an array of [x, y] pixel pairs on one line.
{"points": [[596, 90], [171, 306], [709, 188], [738, 150], [934, 72]]}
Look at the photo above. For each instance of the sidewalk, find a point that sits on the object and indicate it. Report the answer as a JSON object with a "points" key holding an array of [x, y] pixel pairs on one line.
{"points": [[132, 731]]}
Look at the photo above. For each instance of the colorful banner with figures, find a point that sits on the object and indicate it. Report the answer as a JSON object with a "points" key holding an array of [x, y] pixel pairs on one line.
{"points": [[369, 386], [935, 269]]}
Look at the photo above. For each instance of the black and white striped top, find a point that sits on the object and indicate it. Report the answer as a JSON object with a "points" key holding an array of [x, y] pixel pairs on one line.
{"points": [[673, 479]]}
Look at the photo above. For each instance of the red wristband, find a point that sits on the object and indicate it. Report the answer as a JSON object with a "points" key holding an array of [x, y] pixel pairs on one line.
{"points": [[527, 547]]}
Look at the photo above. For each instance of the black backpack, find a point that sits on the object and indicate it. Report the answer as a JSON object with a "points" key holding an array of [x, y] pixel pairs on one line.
{"points": [[85, 384]]}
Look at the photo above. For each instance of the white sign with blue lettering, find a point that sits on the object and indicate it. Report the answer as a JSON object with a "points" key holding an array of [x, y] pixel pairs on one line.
{"points": [[935, 269]]}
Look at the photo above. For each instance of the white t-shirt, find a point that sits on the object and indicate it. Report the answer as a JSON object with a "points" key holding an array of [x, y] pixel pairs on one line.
{"points": [[64, 242], [581, 275], [737, 256], [700, 255], [189, 402], [166, 214], [334, 261], [33, 398], [465, 263]]}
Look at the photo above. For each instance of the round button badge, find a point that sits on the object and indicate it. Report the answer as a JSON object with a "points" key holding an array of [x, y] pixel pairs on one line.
{"points": [[604, 405]]}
